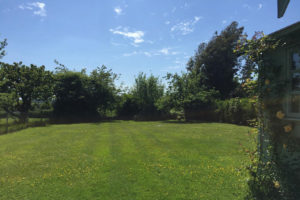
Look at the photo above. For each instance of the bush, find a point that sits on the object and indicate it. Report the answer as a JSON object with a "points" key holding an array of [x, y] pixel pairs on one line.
{"points": [[128, 107], [144, 100], [236, 110], [201, 106]]}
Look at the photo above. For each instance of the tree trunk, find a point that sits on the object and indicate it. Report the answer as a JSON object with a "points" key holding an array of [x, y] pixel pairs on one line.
{"points": [[6, 127], [24, 118]]}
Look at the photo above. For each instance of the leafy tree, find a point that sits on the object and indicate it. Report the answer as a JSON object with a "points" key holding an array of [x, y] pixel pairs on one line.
{"points": [[60, 68], [25, 85], [102, 89], [82, 97], [188, 95], [70, 93], [2, 46], [178, 89], [146, 92], [5, 103], [216, 62], [248, 70]]}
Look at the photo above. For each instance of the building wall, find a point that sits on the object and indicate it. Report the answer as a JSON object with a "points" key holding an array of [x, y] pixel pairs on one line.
{"points": [[289, 154]]}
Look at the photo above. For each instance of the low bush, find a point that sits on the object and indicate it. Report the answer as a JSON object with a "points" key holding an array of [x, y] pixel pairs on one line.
{"points": [[201, 106], [236, 110]]}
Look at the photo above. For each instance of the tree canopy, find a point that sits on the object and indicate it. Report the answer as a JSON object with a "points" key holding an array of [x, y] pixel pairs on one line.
{"points": [[25, 84], [216, 62], [79, 96]]}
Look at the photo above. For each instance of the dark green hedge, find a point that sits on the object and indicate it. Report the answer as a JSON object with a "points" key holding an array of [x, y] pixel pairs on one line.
{"points": [[236, 110]]}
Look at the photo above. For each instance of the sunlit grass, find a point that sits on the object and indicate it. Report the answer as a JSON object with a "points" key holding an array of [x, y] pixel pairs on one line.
{"points": [[124, 160]]}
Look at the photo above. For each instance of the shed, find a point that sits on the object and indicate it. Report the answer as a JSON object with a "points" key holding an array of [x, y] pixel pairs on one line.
{"points": [[287, 58], [280, 82]]}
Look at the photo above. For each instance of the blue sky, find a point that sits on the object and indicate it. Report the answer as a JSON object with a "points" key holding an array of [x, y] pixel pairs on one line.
{"points": [[128, 36]]}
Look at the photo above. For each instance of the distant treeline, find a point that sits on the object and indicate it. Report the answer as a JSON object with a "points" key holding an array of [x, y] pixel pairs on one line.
{"points": [[217, 86]]}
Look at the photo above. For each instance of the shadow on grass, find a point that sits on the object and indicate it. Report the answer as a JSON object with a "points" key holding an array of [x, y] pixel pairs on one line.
{"points": [[13, 127], [187, 121]]}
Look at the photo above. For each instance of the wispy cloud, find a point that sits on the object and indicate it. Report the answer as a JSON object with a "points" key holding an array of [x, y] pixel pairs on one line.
{"points": [[145, 53], [118, 10], [186, 27], [166, 51], [246, 6], [135, 36], [167, 22], [178, 64], [172, 67], [260, 6], [161, 52], [38, 8], [130, 54], [224, 21]]}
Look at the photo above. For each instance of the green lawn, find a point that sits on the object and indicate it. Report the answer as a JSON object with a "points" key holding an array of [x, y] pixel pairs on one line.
{"points": [[124, 160]]}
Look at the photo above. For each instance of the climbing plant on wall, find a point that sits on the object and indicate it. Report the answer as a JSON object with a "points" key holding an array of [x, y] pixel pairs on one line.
{"points": [[272, 176]]}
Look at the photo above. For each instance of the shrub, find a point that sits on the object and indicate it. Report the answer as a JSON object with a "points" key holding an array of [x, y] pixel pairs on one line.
{"points": [[236, 110], [201, 106], [128, 107]]}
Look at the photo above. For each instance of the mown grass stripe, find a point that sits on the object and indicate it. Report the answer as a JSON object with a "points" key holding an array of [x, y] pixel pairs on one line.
{"points": [[124, 160]]}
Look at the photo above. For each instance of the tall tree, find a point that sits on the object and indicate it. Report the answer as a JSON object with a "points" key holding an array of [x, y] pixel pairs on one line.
{"points": [[71, 96], [102, 89], [216, 62]]}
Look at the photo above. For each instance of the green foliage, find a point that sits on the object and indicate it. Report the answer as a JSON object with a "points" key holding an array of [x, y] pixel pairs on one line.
{"points": [[82, 97], [273, 174], [211, 75], [128, 107], [195, 100], [25, 85], [178, 89], [2, 46], [7, 103], [270, 179], [102, 89], [250, 88], [216, 62], [237, 110], [201, 106], [147, 91], [71, 93]]}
